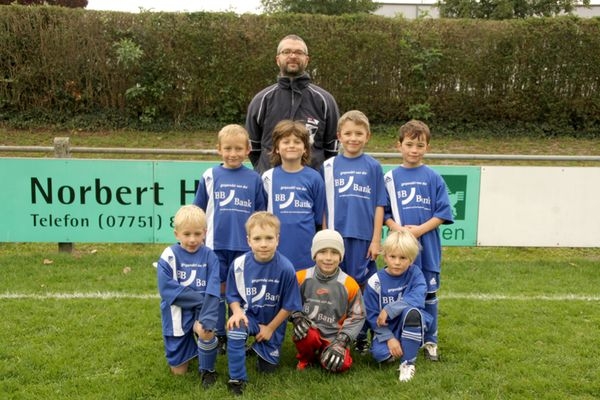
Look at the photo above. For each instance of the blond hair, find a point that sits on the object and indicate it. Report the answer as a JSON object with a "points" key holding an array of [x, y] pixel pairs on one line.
{"points": [[232, 130], [189, 215], [414, 129], [403, 242], [286, 128], [262, 219], [358, 117]]}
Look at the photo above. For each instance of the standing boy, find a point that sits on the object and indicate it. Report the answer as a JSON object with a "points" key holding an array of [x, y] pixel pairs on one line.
{"points": [[419, 202], [188, 283], [333, 312], [262, 291], [295, 192], [395, 301], [355, 198], [229, 194]]}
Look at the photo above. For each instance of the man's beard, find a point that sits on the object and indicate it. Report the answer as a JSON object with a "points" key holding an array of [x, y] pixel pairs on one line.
{"points": [[293, 72]]}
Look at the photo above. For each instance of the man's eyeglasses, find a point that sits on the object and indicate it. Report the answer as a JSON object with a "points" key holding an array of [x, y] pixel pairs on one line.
{"points": [[289, 52]]}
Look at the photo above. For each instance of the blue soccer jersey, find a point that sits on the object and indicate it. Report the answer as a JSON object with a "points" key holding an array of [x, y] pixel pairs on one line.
{"points": [[417, 195], [354, 188], [297, 199], [229, 197], [189, 285], [263, 289], [394, 294]]}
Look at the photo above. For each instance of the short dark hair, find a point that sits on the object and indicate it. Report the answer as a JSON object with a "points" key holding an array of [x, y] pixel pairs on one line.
{"points": [[292, 37], [414, 129]]}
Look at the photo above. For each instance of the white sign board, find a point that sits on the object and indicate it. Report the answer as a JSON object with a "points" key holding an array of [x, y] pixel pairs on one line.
{"points": [[539, 206]]}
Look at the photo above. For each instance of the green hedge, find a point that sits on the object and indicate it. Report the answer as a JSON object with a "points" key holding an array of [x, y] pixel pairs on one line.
{"points": [[186, 66]]}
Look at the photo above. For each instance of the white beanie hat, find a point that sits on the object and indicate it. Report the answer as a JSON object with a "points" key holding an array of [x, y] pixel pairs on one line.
{"points": [[327, 239]]}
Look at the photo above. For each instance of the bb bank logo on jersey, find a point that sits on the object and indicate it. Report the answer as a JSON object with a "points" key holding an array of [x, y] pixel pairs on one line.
{"points": [[230, 199], [257, 295], [286, 200], [409, 196], [315, 315], [187, 279], [345, 184]]}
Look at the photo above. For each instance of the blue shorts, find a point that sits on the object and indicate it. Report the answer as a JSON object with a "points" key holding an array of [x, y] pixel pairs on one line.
{"points": [[180, 349], [226, 257], [355, 262], [433, 281]]}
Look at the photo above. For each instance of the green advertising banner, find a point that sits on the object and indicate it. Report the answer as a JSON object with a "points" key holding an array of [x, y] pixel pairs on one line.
{"points": [[68, 200], [81, 200], [463, 190]]}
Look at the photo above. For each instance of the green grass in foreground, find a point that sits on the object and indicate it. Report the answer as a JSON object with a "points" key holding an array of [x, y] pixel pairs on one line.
{"points": [[515, 324]]}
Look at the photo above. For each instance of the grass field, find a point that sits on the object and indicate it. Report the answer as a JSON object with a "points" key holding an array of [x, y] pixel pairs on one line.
{"points": [[382, 140], [516, 323]]}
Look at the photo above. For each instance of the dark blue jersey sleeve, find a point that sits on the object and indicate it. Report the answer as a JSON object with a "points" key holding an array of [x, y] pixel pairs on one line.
{"points": [[209, 312], [201, 199]]}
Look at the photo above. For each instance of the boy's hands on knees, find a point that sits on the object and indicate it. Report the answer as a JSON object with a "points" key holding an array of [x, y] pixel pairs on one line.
{"points": [[265, 333], [236, 319], [395, 347], [201, 332], [382, 318], [197, 328], [301, 324], [332, 358]]}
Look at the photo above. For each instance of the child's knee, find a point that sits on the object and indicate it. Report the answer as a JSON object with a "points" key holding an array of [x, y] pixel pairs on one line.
{"points": [[206, 335], [413, 318], [237, 334], [180, 369]]}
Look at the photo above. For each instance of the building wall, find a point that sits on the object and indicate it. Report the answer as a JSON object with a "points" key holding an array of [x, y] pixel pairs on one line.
{"points": [[412, 10]]}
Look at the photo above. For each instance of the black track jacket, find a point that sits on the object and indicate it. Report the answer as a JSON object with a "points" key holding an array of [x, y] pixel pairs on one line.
{"points": [[296, 99]]}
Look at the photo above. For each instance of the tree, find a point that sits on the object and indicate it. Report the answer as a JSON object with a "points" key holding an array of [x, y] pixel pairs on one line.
{"points": [[327, 7], [506, 9]]}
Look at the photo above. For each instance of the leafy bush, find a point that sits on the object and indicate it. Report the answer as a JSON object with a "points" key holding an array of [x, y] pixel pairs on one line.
{"points": [[177, 68]]}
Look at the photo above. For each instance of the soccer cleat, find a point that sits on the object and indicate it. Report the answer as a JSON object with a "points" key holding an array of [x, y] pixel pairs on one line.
{"points": [[302, 365], [388, 361], [407, 371], [236, 387], [265, 367], [222, 345], [209, 378], [430, 351], [362, 346]]}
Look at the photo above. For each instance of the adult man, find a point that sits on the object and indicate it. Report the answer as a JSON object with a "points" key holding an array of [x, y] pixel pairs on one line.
{"points": [[292, 97]]}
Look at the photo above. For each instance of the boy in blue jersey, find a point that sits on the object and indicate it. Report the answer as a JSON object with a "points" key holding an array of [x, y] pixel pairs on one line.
{"points": [[295, 192], [188, 283], [262, 291], [229, 194], [395, 301], [419, 202], [355, 198]]}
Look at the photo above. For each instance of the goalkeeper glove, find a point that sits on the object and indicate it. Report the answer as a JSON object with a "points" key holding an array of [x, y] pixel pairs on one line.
{"points": [[301, 324], [332, 358]]}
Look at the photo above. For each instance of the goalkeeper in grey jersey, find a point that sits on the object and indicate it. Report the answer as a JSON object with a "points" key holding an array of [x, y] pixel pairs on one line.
{"points": [[333, 311]]}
